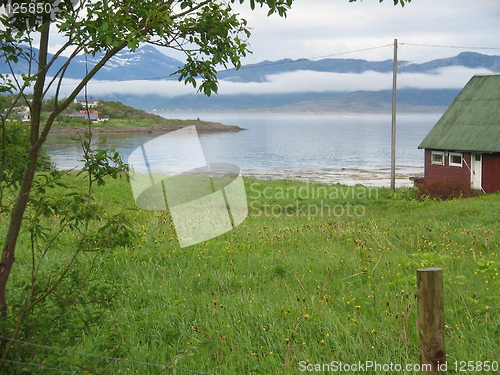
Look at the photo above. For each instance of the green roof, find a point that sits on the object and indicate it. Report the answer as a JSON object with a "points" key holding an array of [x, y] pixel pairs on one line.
{"points": [[472, 122]]}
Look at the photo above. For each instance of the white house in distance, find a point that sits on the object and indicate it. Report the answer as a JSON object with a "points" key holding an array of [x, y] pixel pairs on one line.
{"points": [[91, 102]]}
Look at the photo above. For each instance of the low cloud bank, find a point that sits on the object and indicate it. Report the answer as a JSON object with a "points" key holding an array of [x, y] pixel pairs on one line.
{"points": [[294, 82]]}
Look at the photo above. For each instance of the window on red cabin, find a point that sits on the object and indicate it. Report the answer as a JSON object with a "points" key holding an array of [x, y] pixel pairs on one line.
{"points": [[437, 157], [455, 159]]}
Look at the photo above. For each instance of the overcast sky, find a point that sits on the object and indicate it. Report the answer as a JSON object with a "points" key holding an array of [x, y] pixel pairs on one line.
{"points": [[363, 30], [331, 28], [317, 28]]}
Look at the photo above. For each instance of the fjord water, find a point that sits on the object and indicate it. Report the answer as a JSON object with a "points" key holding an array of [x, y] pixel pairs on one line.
{"points": [[343, 148]]}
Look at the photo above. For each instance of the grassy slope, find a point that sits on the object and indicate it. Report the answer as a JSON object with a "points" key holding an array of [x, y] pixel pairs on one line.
{"points": [[286, 287], [122, 117]]}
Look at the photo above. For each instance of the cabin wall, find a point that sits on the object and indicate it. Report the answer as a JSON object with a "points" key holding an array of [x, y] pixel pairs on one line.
{"points": [[434, 172], [491, 172]]}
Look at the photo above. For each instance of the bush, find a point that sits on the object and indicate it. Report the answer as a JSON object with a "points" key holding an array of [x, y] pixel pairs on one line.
{"points": [[445, 189], [14, 147]]}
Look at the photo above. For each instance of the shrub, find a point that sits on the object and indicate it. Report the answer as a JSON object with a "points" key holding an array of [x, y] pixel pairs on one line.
{"points": [[445, 189], [14, 147]]}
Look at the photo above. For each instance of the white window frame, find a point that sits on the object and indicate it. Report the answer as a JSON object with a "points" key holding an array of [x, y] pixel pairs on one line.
{"points": [[450, 157], [434, 162]]}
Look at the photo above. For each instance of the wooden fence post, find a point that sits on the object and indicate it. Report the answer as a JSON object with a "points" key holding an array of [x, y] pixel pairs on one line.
{"points": [[431, 321]]}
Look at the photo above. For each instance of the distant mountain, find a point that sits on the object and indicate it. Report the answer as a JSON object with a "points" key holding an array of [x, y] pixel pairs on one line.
{"points": [[146, 63], [471, 60], [259, 72], [416, 100], [409, 100]]}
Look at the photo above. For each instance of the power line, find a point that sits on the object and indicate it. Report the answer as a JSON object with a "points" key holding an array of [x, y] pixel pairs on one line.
{"points": [[442, 46], [102, 357], [349, 52], [311, 58]]}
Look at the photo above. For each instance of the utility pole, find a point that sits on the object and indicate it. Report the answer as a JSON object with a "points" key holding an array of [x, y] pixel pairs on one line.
{"points": [[393, 135]]}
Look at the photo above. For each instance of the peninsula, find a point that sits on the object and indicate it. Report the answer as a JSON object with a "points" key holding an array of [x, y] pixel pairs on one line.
{"points": [[115, 117]]}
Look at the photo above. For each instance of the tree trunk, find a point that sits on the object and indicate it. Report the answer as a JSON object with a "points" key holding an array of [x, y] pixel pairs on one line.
{"points": [[19, 208], [14, 229]]}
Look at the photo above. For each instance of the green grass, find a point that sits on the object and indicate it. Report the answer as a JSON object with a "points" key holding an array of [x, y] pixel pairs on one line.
{"points": [[316, 273], [125, 123]]}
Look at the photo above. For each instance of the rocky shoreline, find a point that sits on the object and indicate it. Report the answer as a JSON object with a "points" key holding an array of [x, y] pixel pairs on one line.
{"points": [[201, 126]]}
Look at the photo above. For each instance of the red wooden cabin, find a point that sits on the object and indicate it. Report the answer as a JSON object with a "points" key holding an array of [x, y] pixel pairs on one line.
{"points": [[464, 145]]}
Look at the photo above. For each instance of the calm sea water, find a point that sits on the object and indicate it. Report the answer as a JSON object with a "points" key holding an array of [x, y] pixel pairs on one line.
{"points": [[345, 148]]}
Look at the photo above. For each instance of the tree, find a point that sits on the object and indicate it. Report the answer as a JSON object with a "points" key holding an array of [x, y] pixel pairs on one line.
{"points": [[209, 32]]}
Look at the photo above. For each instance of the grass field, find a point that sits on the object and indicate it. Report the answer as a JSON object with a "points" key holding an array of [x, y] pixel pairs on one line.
{"points": [[315, 274]]}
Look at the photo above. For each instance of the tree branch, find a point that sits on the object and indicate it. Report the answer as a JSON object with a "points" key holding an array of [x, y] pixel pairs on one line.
{"points": [[190, 10]]}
